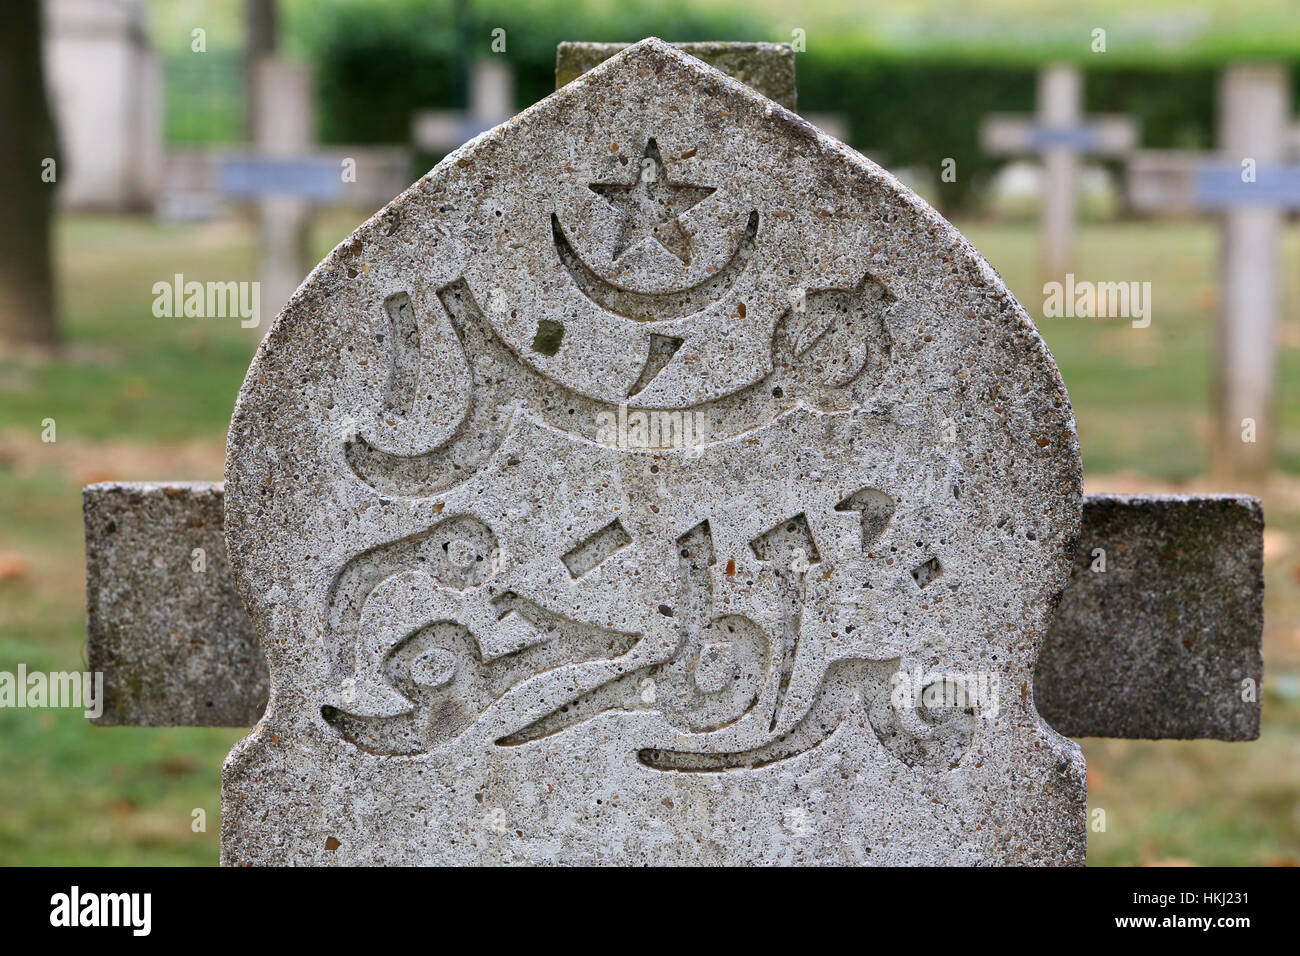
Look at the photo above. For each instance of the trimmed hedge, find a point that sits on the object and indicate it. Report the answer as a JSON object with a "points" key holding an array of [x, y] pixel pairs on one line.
{"points": [[379, 63]]}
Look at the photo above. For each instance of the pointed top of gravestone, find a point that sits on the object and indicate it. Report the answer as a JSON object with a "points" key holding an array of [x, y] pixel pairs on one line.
{"points": [[765, 67], [617, 468]]}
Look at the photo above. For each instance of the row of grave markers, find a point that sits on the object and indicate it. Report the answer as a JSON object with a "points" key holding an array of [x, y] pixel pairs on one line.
{"points": [[1247, 183]]}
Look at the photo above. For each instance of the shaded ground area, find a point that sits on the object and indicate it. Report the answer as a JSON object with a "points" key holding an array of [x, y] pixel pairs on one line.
{"points": [[142, 397]]}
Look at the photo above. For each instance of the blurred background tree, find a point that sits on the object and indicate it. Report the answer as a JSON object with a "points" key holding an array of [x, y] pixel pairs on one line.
{"points": [[912, 86], [28, 147]]}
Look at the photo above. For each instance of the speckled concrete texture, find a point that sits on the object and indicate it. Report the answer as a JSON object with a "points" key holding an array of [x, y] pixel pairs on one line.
{"points": [[765, 67], [1164, 612], [591, 497], [1158, 648], [164, 624]]}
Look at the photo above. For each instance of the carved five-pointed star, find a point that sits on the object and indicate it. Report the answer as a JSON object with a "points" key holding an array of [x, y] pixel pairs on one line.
{"points": [[651, 205]]}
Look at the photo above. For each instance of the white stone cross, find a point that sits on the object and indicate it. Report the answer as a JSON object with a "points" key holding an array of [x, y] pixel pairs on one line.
{"points": [[491, 102], [1060, 134], [282, 177], [1251, 187], [286, 174]]}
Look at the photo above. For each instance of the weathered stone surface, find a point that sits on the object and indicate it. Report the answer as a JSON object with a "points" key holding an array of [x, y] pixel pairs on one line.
{"points": [[502, 630], [172, 641], [765, 67], [1101, 633], [1165, 642]]}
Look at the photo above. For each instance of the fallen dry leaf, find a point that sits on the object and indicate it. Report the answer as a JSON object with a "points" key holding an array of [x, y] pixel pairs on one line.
{"points": [[13, 567]]}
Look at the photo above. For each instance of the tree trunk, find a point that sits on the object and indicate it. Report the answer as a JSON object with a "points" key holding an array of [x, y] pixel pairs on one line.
{"points": [[27, 141]]}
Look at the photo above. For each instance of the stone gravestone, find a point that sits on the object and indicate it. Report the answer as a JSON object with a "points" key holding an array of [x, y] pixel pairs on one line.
{"points": [[587, 497], [659, 481], [177, 651]]}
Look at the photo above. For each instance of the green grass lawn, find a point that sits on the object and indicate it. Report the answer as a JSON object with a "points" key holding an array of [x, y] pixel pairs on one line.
{"points": [[136, 396]]}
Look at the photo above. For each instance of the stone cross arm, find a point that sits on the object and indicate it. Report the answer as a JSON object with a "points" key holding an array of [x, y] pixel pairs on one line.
{"points": [[1183, 183], [1008, 134], [1157, 634]]}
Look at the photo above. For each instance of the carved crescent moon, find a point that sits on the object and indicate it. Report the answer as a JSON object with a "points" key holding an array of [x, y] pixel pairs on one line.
{"points": [[655, 306]]}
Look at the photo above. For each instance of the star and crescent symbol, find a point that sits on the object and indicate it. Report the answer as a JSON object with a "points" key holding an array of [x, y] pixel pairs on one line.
{"points": [[650, 206]]}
